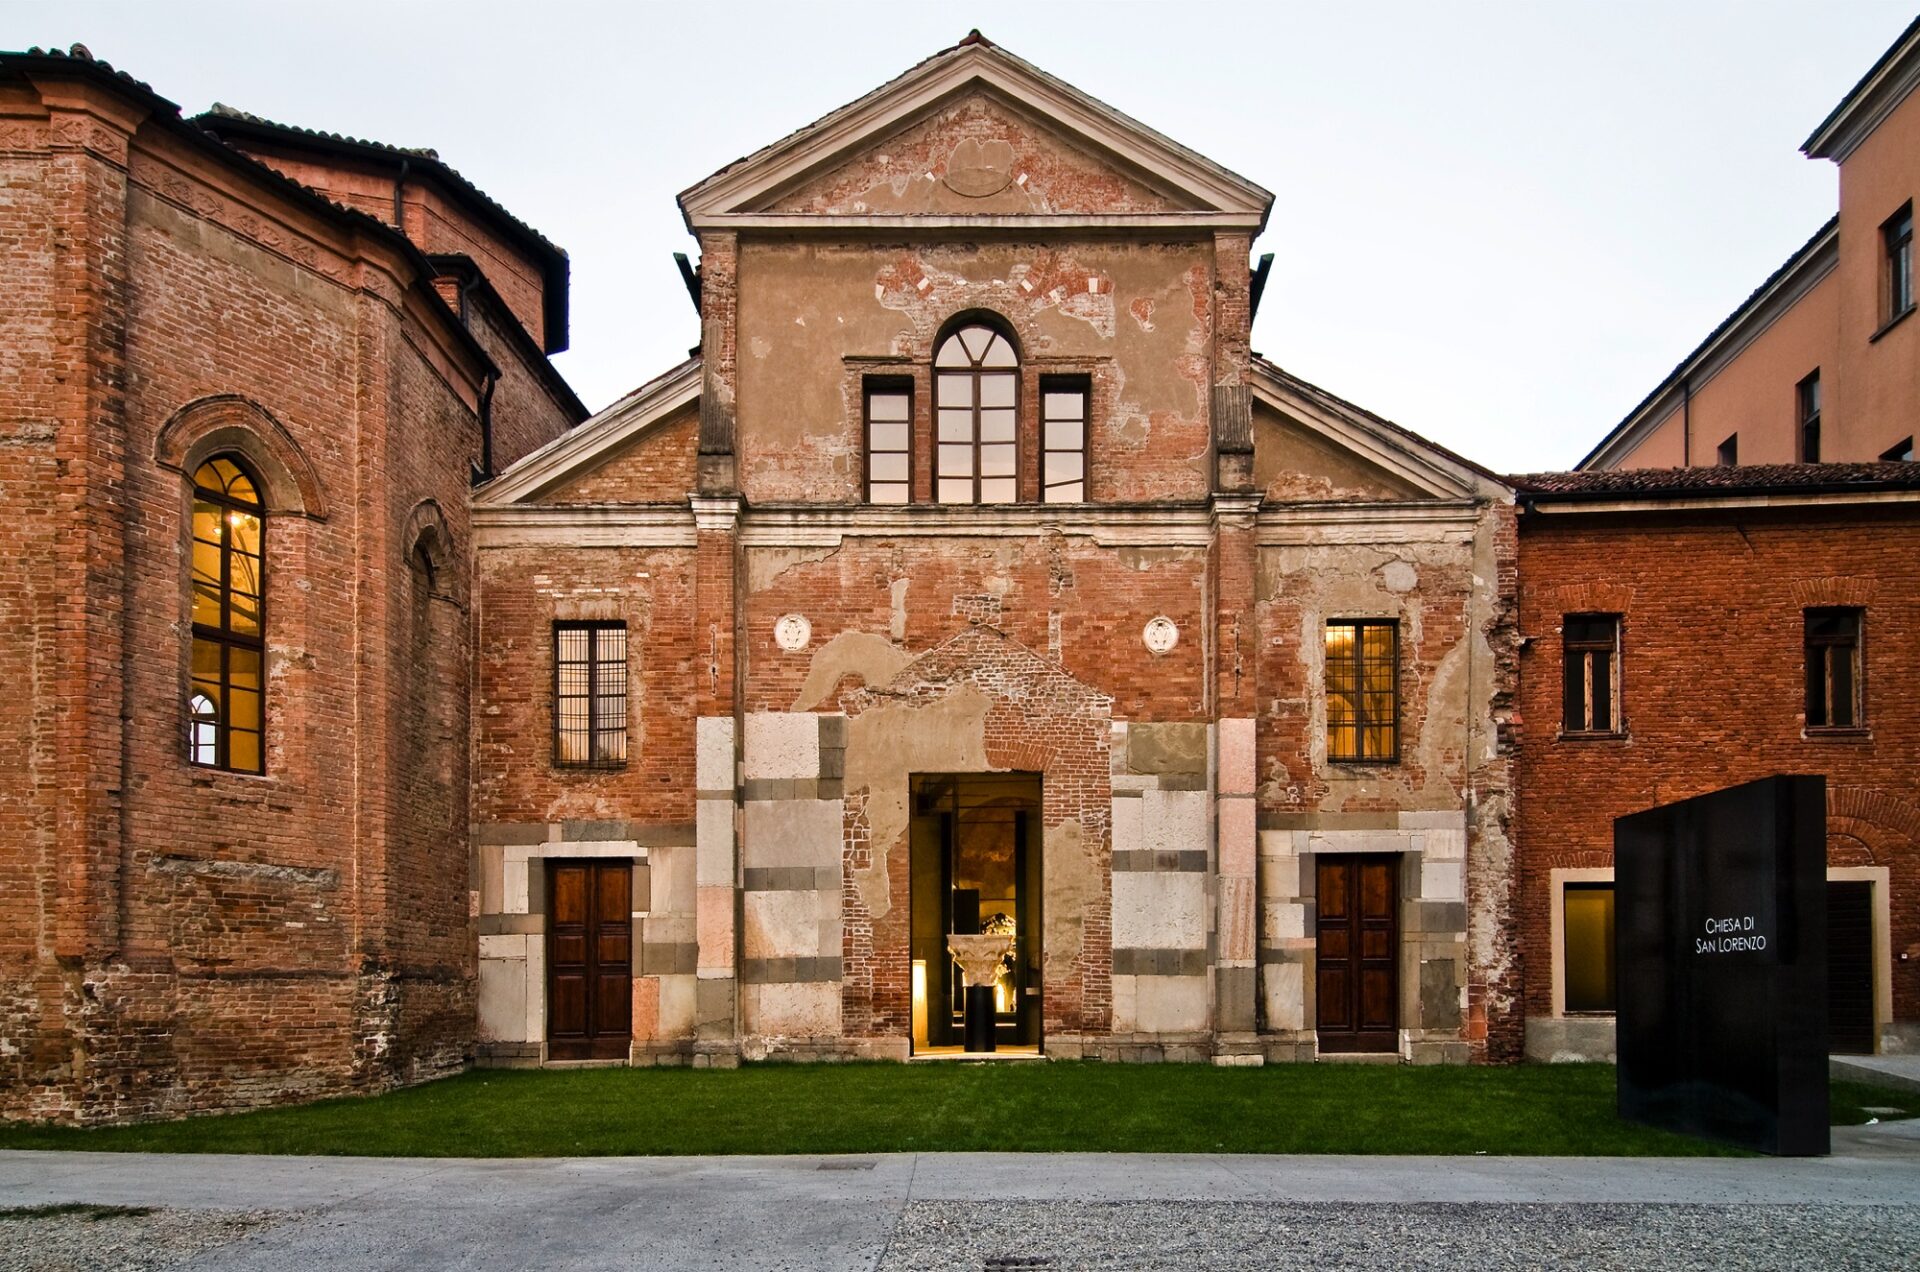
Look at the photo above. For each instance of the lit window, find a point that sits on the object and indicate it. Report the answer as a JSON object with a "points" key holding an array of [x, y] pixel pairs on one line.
{"points": [[1063, 439], [1363, 709], [1897, 237], [889, 418], [1807, 394], [1587, 930], [1833, 668], [975, 390], [225, 716], [590, 695], [1590, 663], [1728, 456]]}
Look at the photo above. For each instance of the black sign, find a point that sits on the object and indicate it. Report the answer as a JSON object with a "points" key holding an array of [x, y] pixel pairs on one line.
{"points": [[1720, 942]]}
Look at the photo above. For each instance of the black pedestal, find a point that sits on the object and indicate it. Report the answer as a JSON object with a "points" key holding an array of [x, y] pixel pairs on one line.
{"points": [[980, 1018]]}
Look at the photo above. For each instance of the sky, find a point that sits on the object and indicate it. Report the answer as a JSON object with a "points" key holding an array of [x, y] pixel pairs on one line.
{"points": [[1498, 224]]}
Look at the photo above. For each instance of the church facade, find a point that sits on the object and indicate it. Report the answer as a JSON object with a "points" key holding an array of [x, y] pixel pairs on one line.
{"points": [[973, 643]]}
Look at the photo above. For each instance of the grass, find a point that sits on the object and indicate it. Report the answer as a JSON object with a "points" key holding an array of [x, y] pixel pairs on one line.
{"points": [[870, 1108], [1849, 1101]]}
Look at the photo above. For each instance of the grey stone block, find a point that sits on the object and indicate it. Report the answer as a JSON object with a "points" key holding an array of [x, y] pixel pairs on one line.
{"points": [[713, 1008], [1440, 916], [1167, 748], [1235, 991], [1439, 995], [833, 732], [591, 831], [669, 958], [1141, 860], [783, 879], [512, 924], [510, 833], [1144, 962], [665, 835]]}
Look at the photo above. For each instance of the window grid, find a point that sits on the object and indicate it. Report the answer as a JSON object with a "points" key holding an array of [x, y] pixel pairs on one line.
{"points": [[888, 411], [590, 695], [226, 721], [1590, 646], [1807, 394], [976, 396], [1897, 234], [1362, 673], [1833, 668], [1063, 439]]}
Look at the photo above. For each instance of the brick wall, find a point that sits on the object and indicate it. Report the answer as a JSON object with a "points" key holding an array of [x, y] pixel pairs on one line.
{"points": [[1712, 691]]}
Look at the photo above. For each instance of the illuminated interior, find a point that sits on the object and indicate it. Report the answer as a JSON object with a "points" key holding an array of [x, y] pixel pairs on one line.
{"points": [[976, 870]]}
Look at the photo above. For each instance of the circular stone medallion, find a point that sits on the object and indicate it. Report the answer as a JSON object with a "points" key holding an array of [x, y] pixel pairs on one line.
{"points": [[792, 632], [1160, 635]]}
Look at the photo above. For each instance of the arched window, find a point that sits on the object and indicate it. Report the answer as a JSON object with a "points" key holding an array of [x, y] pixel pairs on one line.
{"points": [[976, 382], [225, 716]]}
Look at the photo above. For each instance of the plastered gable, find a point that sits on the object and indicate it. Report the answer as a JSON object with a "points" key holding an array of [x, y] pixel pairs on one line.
{"points": [[1292, 462], [973, 155], [655, 466]]}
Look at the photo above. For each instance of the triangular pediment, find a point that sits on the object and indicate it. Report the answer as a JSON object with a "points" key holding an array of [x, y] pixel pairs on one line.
{"points": [[1310, 445], [659, 412], [974, 131]]}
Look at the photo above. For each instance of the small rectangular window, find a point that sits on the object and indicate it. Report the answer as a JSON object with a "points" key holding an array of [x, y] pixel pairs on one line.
{"points": [[1587, 931], [1728, 456], [590, 695], [1362, 673], [1901, 452], [1063, 438], [1590, 661], [1833, 668], [889, 427], [1807, 394], [1897, 237]]}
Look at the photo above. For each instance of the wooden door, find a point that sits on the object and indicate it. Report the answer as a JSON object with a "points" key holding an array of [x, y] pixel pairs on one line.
{"points": [[1357, 949], [589, 960], [1850, 968]]}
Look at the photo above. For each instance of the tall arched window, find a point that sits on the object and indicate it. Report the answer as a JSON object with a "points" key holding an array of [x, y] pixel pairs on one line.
{"points": [[976, 384], [225, 716]]}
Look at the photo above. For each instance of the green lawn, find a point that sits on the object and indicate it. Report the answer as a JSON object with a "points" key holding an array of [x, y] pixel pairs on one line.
{"points": [[869, 1108]]}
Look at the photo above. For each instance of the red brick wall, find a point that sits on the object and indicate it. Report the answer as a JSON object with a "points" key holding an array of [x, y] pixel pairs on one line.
{"points": [[1712, 689], [176, 938], [657, 467]]}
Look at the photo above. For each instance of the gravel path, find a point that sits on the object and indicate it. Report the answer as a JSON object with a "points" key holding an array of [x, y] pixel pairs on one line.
{"points": [[1138, 1236], [90, 1238]]}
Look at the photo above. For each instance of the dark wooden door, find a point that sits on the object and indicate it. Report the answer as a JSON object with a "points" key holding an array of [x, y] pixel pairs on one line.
{"points": [[1357, 948], [1850, 968], [589, 960]]}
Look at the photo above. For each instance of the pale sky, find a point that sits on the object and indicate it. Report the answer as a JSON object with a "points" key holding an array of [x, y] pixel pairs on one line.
{"points": [[1499, 225]]}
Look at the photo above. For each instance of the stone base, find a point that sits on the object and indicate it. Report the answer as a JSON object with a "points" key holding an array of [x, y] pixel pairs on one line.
{"points": [[1570, 1039]]}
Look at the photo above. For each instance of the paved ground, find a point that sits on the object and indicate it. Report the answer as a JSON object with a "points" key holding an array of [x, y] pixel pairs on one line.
{"points": [[1900, 1070], [1859, 1208]]}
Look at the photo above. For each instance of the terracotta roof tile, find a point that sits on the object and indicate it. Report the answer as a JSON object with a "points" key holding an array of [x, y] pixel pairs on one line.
{"points": [[1682, 483]]}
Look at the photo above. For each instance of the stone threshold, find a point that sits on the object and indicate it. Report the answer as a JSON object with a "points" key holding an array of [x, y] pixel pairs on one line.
{"points": [[1009, 1054]]}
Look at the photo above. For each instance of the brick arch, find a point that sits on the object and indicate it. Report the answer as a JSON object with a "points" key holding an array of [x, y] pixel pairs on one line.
{"points": [[1874, 807], [1848, 589], [228, 422], [1845, 848], [426, 534]]}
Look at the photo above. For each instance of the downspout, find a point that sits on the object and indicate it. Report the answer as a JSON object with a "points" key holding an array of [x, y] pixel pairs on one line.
{"points": [[1686, 421], [399, 201], [486, 428]]}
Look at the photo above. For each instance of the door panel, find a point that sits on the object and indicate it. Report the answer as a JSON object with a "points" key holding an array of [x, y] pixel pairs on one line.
{"points": [[1850, 967], [589, 959], [1357, 952]]}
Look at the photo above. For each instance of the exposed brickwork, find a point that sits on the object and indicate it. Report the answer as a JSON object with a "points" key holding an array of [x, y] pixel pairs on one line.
{"points": [[1713, 690], [174, 938], [658, 467]]}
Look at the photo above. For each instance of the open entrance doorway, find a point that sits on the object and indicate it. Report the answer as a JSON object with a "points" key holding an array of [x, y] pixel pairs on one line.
{"points": [[976, 874]]}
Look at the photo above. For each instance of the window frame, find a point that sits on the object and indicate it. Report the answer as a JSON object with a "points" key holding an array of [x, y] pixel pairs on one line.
{"points": [[1361, 720], [1853, 642], [1807, 405], [1901, 452], [1081, 384], [1560, 881], [885, 385], [595, 725], [1727, 454], [1896, 248], [976, 371], [224, 636], [1616, 722]]}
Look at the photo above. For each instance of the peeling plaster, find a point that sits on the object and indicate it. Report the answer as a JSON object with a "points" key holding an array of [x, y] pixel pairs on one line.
{"points": [[886, 744], [873, 658]]}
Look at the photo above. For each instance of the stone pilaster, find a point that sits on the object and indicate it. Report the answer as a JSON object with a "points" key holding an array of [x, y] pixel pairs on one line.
{"points": [[717, 782]]}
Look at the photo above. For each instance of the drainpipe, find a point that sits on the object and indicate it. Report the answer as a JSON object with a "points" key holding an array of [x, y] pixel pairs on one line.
{"points": [[1686, 421], [399, 202], [486, 428]]}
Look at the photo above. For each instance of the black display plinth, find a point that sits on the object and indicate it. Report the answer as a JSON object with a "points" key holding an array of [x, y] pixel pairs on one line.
{"points": [[980, 1018], [1720, 942]]}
